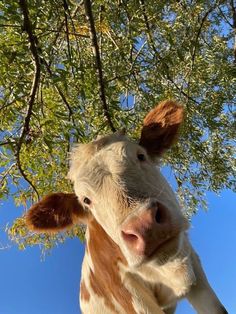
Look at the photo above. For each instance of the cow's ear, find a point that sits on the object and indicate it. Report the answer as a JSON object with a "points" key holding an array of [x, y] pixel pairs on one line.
{"points": [[161, 126], [55, 212]]}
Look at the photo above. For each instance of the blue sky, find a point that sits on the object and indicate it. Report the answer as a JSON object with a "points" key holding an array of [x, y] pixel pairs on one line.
{"points": [[31, 286]]}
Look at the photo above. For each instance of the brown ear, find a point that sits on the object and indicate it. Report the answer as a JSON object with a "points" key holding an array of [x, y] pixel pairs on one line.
{"points": [[160, 127], [55, 212]]}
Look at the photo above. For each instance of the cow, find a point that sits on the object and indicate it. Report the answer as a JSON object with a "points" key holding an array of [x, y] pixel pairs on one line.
{"points": [[138, 259]]}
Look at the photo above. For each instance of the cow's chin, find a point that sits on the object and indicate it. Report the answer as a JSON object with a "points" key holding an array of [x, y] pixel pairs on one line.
{"points": [[166, 252]]}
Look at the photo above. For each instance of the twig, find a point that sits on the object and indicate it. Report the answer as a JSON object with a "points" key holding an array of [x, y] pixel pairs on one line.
{"points": [[149, 35], [196, 42], [71, 16], [6, 172], [233, 7], [63, 97], [98, 63], [137, 54], [181, 90], [58, 31], [132, 66], [66, 13], [61, 27], [157, 54], [57, 88], [7, 105], [27, 27], [62, 24], [200, 30], [65, 5], [225, 18], [6, 143]]}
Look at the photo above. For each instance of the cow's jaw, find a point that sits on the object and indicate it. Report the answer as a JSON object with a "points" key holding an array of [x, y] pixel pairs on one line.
{"points": [[171, 280]]}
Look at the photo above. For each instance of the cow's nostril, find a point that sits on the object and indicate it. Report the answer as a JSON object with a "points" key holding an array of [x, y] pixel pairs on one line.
{"points": [[129, 237], [159, 215]]}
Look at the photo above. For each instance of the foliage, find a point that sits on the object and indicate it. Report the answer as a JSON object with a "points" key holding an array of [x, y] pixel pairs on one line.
{"points": [[68, 74]]}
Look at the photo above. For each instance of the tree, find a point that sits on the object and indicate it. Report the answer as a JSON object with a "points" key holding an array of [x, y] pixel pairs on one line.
{"points": [[71, 70]]}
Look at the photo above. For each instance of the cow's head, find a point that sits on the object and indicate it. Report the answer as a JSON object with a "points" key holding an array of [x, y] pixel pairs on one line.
{"points": [[117, 183]]}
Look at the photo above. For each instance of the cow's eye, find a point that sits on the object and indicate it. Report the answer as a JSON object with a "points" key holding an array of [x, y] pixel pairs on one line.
{"points": [[141, 157], [87, 201]]}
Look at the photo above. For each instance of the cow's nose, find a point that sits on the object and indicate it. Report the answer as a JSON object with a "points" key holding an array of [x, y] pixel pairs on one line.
{"points": [[143, 232]]}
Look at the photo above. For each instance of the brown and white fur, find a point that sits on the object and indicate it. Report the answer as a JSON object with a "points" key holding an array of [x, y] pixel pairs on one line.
{"points": [[138, 258]]}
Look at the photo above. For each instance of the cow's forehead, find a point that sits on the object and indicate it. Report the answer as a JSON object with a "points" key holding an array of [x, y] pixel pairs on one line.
{"points": [[82, 153]]}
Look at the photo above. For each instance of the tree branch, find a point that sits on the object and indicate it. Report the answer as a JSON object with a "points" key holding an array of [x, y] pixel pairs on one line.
{"points": [[27, 27], [98, 63]]}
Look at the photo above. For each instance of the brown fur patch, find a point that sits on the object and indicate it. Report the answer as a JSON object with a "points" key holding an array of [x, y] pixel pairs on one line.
{"points": [[55, 212], [160, 127], [105, 279], [84, 294]]}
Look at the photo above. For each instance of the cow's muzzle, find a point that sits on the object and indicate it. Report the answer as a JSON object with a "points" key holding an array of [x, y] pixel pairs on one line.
{"points": [[147, 230]]}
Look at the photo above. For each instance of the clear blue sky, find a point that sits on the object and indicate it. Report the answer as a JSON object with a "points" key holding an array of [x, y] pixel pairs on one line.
{"points": [[30, 286]]}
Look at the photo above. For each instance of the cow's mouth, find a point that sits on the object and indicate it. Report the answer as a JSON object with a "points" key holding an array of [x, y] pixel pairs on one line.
{"points": [[170, 245]]}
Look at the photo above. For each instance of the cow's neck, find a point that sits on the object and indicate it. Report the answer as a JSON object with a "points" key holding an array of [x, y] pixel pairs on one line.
{"points": [[104, 258]]}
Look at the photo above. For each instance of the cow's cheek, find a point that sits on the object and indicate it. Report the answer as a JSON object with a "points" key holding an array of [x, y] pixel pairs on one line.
{"points": [[108, 223]]}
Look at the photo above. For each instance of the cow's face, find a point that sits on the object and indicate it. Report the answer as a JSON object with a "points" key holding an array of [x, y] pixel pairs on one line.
{"points": [[116, 182], [125, 192]]}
